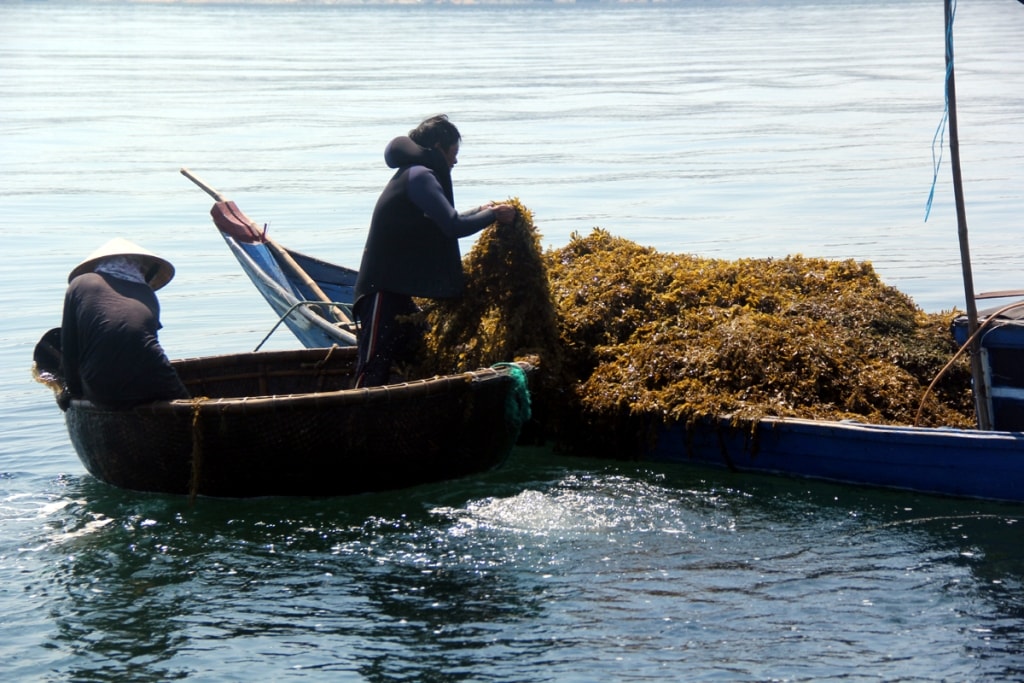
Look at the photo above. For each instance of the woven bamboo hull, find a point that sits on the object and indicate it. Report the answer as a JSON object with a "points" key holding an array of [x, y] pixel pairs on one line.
{"points": [[283, 423]]}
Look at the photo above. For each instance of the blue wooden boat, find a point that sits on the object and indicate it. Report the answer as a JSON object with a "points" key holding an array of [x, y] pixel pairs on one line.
{"points": [[961, 463], [311, 297], [985, 463], [965, 463]]}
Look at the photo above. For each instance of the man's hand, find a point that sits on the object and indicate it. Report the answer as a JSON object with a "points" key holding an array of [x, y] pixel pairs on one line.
{"points": [[504, 213]]}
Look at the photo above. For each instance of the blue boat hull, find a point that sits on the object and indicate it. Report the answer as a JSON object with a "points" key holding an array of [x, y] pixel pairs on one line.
{"points": [[950, 462]]}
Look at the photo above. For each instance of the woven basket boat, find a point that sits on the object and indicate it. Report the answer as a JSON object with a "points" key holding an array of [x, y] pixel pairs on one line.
{"points": [[285, 423]]}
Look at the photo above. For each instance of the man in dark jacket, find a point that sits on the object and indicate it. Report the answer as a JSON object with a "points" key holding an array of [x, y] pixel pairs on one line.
{"points": [[413, 245], [110, 354]]}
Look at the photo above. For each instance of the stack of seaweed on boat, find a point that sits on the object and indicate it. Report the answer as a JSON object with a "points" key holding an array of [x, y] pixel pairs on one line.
{"points": [[630, 337]]}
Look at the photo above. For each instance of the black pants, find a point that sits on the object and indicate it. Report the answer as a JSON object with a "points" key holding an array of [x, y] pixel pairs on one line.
{"points": [[382, 337]]}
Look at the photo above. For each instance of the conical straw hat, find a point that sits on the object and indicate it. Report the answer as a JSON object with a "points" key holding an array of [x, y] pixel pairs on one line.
{"points": [[158, 271]]}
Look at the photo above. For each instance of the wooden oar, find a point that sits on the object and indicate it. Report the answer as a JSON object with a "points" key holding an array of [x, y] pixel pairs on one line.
{"points": [[282, 254]]}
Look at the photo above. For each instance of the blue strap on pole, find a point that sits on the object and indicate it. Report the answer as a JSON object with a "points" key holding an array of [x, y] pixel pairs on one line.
{"points": [[940, 132]]}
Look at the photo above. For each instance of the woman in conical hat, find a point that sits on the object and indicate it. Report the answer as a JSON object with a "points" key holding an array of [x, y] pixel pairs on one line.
{"points": [[110, 353]]}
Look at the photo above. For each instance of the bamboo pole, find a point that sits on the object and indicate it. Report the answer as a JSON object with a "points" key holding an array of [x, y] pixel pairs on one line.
{"points": [[977, 371]]}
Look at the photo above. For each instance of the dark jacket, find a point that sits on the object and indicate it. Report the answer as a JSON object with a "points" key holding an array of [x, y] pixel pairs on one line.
{"points": [[413, 244], [109, 349]]}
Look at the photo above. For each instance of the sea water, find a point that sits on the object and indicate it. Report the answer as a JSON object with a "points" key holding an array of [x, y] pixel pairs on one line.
{"points": [[724, 128]]}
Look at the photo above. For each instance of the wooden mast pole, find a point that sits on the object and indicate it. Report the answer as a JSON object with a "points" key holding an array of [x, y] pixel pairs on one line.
{"points": [[977, 371]]}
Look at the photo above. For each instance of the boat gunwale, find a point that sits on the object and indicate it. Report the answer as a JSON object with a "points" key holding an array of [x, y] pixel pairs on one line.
{"points": [[403, 391], [873, 429]]}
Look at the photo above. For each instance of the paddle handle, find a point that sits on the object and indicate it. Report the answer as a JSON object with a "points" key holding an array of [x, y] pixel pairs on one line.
{"points": [[278, 249], [202, 185]]}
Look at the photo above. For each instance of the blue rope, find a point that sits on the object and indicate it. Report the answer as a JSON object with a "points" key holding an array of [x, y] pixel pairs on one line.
{"points": [[940, 132]]}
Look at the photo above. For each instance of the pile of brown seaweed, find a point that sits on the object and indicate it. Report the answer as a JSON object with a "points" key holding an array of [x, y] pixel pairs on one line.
{"points": [[506, 311], [629, 337]]}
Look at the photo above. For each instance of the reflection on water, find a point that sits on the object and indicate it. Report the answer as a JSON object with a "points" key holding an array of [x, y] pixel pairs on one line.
{"points": [[564, 562]]}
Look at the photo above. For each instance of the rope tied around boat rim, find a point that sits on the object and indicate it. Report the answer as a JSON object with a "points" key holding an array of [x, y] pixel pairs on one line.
{"points": [[197, 447], [517, 401]]}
